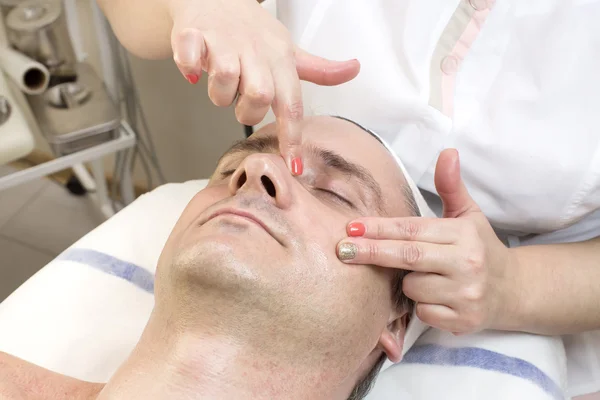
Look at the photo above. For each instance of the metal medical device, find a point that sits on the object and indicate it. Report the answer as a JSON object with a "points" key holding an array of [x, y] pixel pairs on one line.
{"points": [[76, 111]]}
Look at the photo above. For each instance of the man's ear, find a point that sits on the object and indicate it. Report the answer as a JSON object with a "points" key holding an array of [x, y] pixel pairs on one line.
{"points": [[391, 340]]}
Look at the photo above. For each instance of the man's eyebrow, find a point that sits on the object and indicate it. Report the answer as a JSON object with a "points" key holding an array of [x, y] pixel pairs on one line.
{"points": [[261, 144], [339, 163]]}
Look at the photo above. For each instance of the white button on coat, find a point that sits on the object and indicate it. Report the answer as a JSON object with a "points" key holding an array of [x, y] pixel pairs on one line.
{"points": [[449, 65], [479, 5]]}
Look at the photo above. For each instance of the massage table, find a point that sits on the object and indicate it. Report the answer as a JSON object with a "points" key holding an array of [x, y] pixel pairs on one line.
{"points": [[82, 314]]}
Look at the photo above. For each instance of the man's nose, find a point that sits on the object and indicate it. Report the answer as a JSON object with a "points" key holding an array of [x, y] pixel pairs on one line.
{"points": [[266, 174]]}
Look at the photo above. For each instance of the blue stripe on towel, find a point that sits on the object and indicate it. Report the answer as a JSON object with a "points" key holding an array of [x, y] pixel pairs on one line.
{"points": [[483, 359], [112, 266], [424, 354]]}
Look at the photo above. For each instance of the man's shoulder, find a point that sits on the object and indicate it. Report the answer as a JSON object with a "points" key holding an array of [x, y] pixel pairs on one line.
{"points": [[21, 380], [9, 390]]}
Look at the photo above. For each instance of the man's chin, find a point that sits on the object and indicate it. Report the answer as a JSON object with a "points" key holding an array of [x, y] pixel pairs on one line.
{"points": [[217, 274], [229, 244], [225, 261], [216, 253]]}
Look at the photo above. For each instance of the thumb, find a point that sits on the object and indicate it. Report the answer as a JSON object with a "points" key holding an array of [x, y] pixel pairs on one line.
{"points": [[450, 186], [325, 72]]}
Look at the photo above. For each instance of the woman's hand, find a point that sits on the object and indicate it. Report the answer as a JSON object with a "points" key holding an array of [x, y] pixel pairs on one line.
{"points": [[249, 55], [462, 279]]}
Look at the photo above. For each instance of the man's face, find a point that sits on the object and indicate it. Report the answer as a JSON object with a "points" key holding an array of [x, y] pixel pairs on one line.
{"points": [[264, 242]]}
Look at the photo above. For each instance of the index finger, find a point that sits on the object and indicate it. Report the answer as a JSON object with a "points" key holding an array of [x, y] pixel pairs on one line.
{"points": [[398, 254], [289, 112], [432, 230]]}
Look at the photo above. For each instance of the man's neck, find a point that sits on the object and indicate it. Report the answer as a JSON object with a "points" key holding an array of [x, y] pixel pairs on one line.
{"points": [[170, 365]]}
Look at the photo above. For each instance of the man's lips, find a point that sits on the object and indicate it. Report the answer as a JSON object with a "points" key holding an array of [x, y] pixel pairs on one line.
{"points": [[244, 214]]}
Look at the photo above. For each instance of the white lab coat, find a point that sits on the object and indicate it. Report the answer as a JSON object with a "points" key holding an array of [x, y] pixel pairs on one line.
{"points": [[512, 84]]}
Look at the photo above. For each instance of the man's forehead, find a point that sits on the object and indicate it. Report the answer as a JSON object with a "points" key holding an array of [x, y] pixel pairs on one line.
{"points": [[313, 128], [345, 138], [338, 135]]}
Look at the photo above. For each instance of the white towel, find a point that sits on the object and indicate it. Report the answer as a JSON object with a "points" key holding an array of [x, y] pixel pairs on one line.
{"points": [[83, 313], [487, 365]]}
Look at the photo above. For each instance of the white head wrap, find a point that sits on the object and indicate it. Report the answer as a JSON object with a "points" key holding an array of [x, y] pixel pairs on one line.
{"points": [[415, 327]]}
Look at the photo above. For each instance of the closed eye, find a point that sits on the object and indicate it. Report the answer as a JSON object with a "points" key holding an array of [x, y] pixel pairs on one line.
{"points": [[227, 173], [336, 197]]}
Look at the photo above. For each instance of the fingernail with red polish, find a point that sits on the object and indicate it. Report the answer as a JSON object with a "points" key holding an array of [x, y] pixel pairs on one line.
{"points": [[356, 229], [297, 166], [192, 78]]}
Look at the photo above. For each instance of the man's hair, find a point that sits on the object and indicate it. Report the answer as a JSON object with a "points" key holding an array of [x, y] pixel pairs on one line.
{"points": [[364, 386], [401, 301]]}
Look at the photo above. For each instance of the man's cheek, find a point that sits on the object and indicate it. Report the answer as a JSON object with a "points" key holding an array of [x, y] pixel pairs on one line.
{"points": [[196, 206], [203, 200], [327, 224], [322, 233]]}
